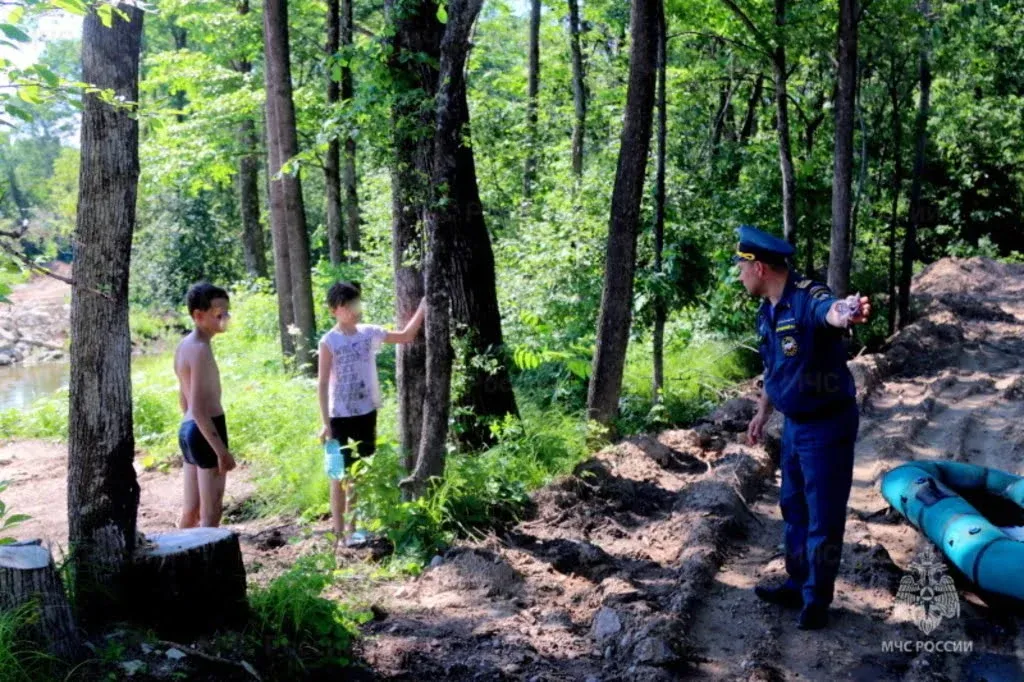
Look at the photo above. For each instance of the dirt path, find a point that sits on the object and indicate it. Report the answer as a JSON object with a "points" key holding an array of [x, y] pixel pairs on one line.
{"points": [[616, 578]]}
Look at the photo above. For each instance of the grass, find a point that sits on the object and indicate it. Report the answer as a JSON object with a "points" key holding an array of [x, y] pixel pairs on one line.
{"points": [[273, 422], [20, 658]]}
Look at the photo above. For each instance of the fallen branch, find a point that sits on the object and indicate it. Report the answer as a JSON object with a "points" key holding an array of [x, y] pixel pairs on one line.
{"points": [[216, 660], [49, 273]]}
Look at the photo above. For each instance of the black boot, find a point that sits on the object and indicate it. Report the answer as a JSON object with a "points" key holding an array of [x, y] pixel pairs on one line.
{"points": [[813, 617], [786, 594]]}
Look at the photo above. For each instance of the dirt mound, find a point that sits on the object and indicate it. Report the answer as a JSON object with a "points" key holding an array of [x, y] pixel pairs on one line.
{"points": [[973, 276]]}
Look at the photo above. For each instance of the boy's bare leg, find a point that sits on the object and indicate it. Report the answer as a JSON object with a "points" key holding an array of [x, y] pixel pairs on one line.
{"points": [[348, 496], [190, 500], [211, 497], [338, 510]]}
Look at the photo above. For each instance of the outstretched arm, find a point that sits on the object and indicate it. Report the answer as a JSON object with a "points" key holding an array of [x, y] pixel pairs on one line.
{"points": [[412, 327]]}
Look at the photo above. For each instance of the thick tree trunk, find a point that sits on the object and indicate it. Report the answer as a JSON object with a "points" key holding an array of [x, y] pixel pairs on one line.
{"points": [[579, 90], [620, 257], [279, 243], [840, 256], [442, 222], [416, 30], [897, 185], [920, 145], [532, 87], [253, 242], [488, 394], [782, 125], [332, 164], [348, 161], [660, 311], [103, 493], [183, 573], [286, 206], [29, 580]]}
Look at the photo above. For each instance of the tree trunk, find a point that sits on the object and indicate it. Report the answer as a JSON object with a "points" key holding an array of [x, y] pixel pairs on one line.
{"points": [[474, 296], [620, 257], [862, 172], [180, 574], [660, 311], [286, 206], [782, 125], [332, 164], [442, 222], [279, 243], [29, 580], [897, 184], [842, 178], [253, 244], [103, 493], [348, 164], [579, 91], [920, 145], [416, 30], [532, 86], [749, 128]]}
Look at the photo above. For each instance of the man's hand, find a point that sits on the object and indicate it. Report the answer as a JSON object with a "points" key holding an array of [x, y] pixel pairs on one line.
{"points": [[864, 314], [755, 430], [225, 463], [325, 434]]}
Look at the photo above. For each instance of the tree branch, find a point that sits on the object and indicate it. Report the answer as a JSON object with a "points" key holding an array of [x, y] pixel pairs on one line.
{"points": [[50, 273], [715, 36], [741, 15]]}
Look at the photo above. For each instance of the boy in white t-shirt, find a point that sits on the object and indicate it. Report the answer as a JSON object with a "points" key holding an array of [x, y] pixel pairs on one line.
{"points": [[349, 392]]}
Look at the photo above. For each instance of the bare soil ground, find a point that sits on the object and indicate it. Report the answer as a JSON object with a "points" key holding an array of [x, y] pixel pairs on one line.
{"points": [[641, 567]]}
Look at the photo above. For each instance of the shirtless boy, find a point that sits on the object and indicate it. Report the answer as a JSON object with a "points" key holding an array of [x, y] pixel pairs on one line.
{"points": [[203, 435]]}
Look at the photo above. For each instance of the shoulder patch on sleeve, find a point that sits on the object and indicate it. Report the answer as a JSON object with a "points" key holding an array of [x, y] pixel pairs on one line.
{"points": [[820, 291], [804, 283]]}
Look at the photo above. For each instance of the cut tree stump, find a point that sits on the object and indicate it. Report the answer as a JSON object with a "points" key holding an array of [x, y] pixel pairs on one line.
{"points": [[28, 578], [189, 582]]}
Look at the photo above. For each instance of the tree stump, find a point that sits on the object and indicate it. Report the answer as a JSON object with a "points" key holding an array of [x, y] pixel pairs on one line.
{"points": [[189, 582], [28, 578]]}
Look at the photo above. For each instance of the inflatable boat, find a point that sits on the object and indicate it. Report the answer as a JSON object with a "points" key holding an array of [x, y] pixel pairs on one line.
{"points": [[974, 514]]}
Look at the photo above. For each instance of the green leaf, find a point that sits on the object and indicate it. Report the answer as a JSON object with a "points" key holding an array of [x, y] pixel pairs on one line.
{"points": [[442, 14], [52, 79], [73, 6], [106, 15], [15, 519], [23, 114], [14, 33], [30, 94], [16, 14]]}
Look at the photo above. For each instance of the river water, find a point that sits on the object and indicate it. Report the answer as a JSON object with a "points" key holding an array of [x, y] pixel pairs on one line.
{"points": [[21, 384]]}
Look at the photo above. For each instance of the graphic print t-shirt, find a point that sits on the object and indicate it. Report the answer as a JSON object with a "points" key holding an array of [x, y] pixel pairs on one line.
{"points": [[354, 390]]}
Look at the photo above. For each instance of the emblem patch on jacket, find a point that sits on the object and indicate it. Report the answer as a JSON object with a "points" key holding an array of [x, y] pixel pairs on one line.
{"points": [[789, 346]]}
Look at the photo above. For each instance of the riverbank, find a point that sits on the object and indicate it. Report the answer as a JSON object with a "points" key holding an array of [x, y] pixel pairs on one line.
{"points": [[34, 326]]}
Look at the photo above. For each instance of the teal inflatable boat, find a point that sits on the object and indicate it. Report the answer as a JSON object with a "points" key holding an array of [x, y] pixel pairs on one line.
{"points": [[974, 514]]}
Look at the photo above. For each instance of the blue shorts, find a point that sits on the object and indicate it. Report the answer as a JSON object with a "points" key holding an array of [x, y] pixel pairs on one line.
{"points": [[194, 447]]}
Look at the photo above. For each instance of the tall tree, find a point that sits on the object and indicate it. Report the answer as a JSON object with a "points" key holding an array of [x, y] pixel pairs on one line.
{"points": [[532, 88], [279, 244], [917, 181], [660, 307], [348, 167], [412, 63], [840, 255], [286, 205], [779, 71], [253, 246], [332, 164], [579, 89], [442, 222], [103, 493], [896, 70], [620, 256]]}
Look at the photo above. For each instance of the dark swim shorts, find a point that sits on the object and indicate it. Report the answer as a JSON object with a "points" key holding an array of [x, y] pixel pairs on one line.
{"points": [[362, 429], [194, 447]]}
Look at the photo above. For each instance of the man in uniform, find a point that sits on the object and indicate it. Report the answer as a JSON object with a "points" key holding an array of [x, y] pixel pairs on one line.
{"points": [[800, 327]]}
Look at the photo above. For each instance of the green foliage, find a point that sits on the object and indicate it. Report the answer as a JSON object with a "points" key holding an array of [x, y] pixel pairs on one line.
{"points": [[20, 657], [7, 520], [298, 629]]}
